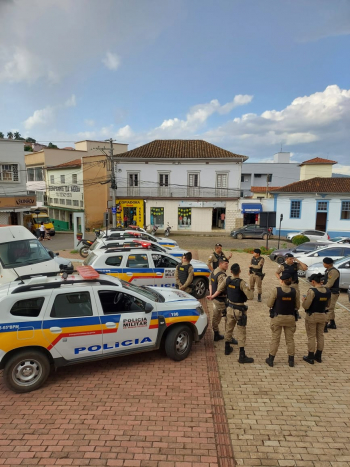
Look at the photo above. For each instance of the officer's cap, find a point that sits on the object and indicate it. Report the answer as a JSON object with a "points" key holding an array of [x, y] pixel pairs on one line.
{"points": [[285, 276], [257, 250], [223, 259], [289, 255], [218, 244], [328, 260]]}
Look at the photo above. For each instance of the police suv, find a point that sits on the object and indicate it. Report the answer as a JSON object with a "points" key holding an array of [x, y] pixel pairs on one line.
{"points": [[146, 267], [59, 321], [143, 235]]}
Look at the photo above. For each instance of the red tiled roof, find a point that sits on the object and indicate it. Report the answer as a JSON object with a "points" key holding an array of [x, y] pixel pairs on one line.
{"points": [[180, 149], [318, 160], [262, 189], [318, 185], [74, 163]]}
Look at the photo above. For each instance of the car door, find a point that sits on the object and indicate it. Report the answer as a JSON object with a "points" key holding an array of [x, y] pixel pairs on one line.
{"points": [[72, 325], [334, 253], [125, 322], [344, 271], [164, 269], [138, 269], [247, 232]]}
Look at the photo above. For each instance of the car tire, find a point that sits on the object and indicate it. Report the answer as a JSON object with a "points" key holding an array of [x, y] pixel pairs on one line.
{"points": [[264, 237], [199, 287], [178, 342], [84, 251], [239, 236], [279, 259], [26, 371]]}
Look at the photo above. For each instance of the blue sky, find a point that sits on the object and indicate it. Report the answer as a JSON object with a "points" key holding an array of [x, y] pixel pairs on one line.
{"points": [[245, 75]]}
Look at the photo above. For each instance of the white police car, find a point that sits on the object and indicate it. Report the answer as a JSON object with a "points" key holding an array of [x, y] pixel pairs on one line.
{"points": [[132, 233], [146, 267], [56, 321], [111, 242]]}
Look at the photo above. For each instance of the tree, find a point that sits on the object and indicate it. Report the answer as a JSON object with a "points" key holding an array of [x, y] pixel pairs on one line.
{"points": [[2, 135], [28, 148], [17, 135], [52, 146], [30, 140], [10, 135]]}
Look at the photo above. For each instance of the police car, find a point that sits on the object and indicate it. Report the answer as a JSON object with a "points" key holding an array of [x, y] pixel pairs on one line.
{"points": [[59, 321], [112, 242], [143, 235], [146, 267]]}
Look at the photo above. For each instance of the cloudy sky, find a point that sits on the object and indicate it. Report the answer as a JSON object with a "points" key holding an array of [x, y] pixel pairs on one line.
{"points": [[249, 76]]}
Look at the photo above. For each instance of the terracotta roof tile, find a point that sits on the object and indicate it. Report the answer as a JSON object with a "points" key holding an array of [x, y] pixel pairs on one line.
{"points": [[180, 149], [317, 185], [74, 163], [262, 189], [318, 160]]}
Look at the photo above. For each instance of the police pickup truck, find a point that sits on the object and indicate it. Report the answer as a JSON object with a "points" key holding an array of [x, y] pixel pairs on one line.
{"points": [[146, 267], [59, 321]]}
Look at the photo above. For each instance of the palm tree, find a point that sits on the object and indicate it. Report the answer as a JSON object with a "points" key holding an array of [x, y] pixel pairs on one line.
{"points": [[10, 135], [2, 135], [17, 135]]}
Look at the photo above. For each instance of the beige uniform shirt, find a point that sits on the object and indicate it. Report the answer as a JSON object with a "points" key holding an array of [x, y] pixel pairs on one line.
{"points": [[189, 278], [280, 268], [311, 295], [221, 279], [243, 286], [332, 277], [212, 259], [272, 298], [257, 266]]}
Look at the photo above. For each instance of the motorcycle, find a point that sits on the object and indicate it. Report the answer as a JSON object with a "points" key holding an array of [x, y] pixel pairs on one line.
{"points": [[167, 230], [86, 244], [154, 229]]}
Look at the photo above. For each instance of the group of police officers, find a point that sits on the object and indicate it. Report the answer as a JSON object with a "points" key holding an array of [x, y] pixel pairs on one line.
{"points": [[229, 295]]}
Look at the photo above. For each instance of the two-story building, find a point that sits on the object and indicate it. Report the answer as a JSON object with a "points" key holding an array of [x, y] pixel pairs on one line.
{"points": [[188, 184], [13, 192]]}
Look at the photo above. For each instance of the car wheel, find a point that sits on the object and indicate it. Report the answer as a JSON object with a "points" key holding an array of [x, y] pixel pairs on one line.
{"points": [[264, 236], [84, 251], [26, 371], [239, 236], [199, 288], [279, 259], [178, 342], [301, 273]]}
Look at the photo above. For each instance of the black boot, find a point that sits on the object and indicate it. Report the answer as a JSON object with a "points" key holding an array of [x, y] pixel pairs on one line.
{"points": [[291, 360], [243, 358], [259, 297], [325, 328], [332, 325], [309, 358], [270, 360], [218, 336], [233, 341], [318, 356], [228, 348]]}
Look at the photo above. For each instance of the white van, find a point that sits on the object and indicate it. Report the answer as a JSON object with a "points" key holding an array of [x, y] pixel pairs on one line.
{"points": [[21, 254]]}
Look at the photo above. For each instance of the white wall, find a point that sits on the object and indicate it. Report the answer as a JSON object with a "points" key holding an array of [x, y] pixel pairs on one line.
{"points": [[12, 152], [68, 193]]}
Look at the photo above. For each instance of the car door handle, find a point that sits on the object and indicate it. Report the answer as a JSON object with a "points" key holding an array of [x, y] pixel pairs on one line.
{"points": [[129, 273], [111, 325], [55, 330], [159, 274]]}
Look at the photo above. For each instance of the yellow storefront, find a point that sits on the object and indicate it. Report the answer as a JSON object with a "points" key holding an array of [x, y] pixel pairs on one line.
{"points": [[132, 209]]}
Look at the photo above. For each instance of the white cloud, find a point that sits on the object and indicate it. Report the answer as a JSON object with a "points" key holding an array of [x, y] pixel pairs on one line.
{"points": [[71, 102], [124, 133], [111, 61], [42, 117], [89, 122]]}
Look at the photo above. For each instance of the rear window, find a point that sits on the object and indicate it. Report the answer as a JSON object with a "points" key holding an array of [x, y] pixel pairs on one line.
{"points": [[30, 307]]}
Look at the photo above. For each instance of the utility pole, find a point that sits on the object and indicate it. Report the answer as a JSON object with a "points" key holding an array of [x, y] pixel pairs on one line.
{"points": [[113, 186]]}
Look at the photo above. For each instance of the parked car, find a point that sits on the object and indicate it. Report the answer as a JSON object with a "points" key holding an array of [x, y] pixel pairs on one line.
{"points": [[343, 265], [130, 233], [278, 255], [313, 235], [251, 231], [112, 242], [334, 252], [63, 263], [339, 240]]}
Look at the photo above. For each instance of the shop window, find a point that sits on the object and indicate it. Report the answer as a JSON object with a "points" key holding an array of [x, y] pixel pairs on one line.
{"points": [[157, 217]]}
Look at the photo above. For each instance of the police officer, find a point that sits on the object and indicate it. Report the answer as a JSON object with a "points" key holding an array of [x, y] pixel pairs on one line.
{"points": [[331, 281], [184, 273], [292, 266], [316, 303], [218, 276], [283, 303], [213, 260], [238, 293], [255, 272]]}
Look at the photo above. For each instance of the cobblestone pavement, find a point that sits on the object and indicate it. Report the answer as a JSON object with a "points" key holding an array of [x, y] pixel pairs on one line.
{"points": [[284, 416]]}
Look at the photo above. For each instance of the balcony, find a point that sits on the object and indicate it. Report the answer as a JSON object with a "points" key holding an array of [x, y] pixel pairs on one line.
{"points": [[133, 191], [182, 192]]}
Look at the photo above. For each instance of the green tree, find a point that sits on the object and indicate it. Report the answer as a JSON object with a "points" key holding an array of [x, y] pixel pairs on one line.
{"points": [[30, 140], [28, 148], [2, 134], [17, 135], [10, 135], [52, 146]]}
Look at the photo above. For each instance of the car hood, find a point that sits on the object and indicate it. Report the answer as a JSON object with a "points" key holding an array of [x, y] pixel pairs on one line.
{"points": [[173, 295]]}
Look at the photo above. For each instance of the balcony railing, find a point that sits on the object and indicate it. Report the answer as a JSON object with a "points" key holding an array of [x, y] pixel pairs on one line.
{"points": [[176, 192], [133, 191]]}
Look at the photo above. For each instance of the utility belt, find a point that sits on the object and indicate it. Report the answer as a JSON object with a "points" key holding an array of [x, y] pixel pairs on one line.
{"points": [[220, 299], [310, 313], [274, 313], [242, 320], [335, 291], [257, 273], [189, 286]]}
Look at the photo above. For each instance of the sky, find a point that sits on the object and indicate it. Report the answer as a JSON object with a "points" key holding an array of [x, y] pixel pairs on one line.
{"points": [[250, 76]]}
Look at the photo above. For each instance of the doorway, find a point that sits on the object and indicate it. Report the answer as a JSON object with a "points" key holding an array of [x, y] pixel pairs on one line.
{"points": [[218, 218], [250, 218], [321, 221], [131, 214], [14, 218]]}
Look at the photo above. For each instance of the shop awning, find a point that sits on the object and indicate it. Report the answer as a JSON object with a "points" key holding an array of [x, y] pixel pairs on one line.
{"points": [[251, 207]]}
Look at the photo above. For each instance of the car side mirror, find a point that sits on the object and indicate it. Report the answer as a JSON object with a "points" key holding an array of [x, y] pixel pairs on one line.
{"points": [[347, 265], [148, 308], [51, 253]]}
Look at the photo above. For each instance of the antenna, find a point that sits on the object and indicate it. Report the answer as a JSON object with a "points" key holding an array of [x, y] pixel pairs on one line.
{"points": [[19, 278], [281, 146]]}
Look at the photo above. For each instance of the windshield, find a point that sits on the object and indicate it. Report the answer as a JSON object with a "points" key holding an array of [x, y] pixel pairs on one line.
{"points": [[145, 291], [89, 260], [38, 220], [22, 253], [336, 239]]}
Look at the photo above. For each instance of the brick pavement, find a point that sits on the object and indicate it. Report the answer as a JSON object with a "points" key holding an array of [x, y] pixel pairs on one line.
{"points": [[285, 416]]}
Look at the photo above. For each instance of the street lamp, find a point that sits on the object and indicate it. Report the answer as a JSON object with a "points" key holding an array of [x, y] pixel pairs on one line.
{"points": [[279, 231]]}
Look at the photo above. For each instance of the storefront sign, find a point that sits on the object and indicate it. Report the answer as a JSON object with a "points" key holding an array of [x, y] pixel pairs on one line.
{"points": [[133, 209], [184, 218], [17, 201], [202, 204]]}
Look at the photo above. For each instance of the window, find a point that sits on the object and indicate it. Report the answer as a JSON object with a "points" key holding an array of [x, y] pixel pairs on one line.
{"points": [[242, 178], [30, 175], [62, 201], [345, 210], [114, 302], [55, 200], [74, 178], [193, 179], [50, 200], [163, 179], [68, 202], [9, 172], [72, 305], [221, 180], [40, 196], [30, 307], [330, 252], [66, 188], [22, 253], [75, 188], [269, 178], [257, 175], [137, 261], [241, 194], [62, 215], [322, 206], [52, 179], [295, 209], [63, 179], [114, 260], [75, 202], [81, 204], [161, 261], [133, 179], [38, 174]]}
